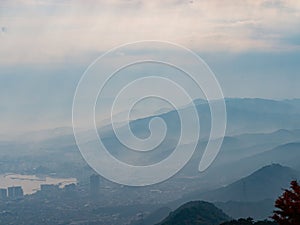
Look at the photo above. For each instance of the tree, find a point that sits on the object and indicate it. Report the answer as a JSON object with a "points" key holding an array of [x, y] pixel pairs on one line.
{"points": [[249, 221], [288, 204]]}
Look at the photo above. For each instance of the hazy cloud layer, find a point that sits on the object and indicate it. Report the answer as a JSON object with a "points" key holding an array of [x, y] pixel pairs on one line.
{"points": [[253, 46], [41, 30]]}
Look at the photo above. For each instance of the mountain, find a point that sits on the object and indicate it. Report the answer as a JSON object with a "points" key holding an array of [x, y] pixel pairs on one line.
{"points": [[238, 147], [241, 148], [259, 210], [265, 183], [252, 196], [196, 213], [243, 116], [287, 154], [154, 217], [247, 160]]}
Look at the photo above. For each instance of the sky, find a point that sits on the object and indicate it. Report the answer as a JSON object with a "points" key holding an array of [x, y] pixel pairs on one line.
{"points": [[252, 46]]}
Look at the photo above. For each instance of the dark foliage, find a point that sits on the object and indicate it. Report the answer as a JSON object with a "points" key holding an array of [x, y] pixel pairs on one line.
{"points": [[248, 221], [288, 204], [196, 213]]}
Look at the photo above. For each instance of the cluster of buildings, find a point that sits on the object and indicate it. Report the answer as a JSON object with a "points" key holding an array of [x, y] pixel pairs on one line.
{"points": [[11, 192], [56, 187], [16, 192]]}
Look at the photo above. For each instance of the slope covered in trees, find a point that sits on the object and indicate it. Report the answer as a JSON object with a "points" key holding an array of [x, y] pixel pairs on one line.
{"points": [[196, 213]]}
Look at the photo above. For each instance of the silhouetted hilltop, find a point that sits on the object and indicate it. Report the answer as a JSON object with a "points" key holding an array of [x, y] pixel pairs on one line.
{"points": [[196, 213]]}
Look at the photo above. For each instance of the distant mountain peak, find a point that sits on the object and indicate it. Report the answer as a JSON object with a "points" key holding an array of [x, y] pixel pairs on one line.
{"points": [[271, 167], [265, 183]]}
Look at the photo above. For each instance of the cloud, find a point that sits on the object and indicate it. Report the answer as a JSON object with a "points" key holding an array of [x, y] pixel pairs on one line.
{"points": [[46, 46], [58, 31]]}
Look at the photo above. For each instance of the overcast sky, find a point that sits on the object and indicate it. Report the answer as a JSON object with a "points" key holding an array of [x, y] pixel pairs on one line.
{"points": [[252, 46]]}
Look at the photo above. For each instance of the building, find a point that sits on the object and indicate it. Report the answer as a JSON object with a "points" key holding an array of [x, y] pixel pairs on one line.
{"points": [[3, 193], [94, 185], [70, 187], [15, 192], [70, 190], [49, 187]]}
